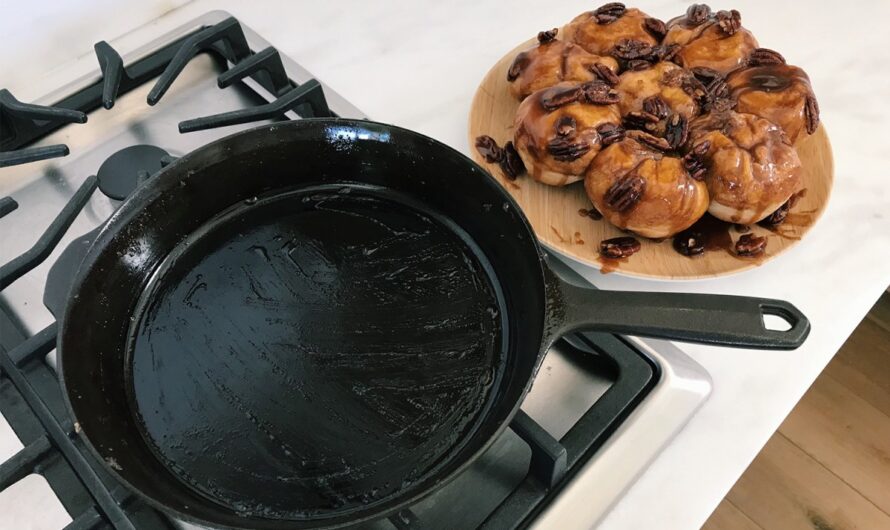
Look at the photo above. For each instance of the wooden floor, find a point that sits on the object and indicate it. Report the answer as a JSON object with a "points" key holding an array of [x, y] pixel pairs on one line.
{"points": [[828, 465]]}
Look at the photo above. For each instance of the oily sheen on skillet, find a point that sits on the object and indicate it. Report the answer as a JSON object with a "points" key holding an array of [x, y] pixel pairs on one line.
{"points": [[318, 322]]}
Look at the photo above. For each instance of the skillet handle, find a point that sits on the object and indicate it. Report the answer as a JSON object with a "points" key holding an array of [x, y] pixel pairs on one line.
{"points": [[735, 321]]}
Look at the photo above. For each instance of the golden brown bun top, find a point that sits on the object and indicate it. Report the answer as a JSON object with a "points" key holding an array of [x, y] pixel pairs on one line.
{"points": [[746, 131], [599, 39], [562, 139], [671, 200], [751, 165], [709, 45], [777, 92], [539, 122], [665, 79], [550, 63]]}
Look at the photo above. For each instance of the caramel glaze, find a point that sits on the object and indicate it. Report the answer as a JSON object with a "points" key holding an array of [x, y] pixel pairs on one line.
{"points": [[752, 168], [716, 236], [608, 265], [682, 32], [777, 93], [535, 128], [599, 39], [707, 45], [794, 222], [553, 62], [671, 200], [665, 79], [791, 226]]}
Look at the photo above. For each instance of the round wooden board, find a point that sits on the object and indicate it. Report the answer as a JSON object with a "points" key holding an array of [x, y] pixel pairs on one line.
{"points": [[553, 211]]}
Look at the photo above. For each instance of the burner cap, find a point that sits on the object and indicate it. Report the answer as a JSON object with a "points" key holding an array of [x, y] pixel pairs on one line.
{"points": [[120, 174]]}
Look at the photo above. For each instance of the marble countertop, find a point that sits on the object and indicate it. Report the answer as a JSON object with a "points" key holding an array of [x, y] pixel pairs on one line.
{"points": [[417, 64]]}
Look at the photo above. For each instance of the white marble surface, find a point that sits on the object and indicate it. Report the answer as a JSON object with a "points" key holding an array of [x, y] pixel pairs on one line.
{"points": [[417, 64]]}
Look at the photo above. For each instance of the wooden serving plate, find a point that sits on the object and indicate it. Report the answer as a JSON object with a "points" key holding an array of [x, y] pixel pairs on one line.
{"points": [[554, 212]]}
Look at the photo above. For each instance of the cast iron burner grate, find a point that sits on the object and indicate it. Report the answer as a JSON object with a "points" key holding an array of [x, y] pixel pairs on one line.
{"points": [[23, 123], [31, 396]]}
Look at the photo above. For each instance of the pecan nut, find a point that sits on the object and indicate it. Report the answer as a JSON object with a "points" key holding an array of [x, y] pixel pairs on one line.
{"points": [[655, 27], [634, 54], [637, 64], [694, 161], [696, 90], [489, 149], [519, 63], [656, 106], [650, 140], [610, 133], [718, 88], [547, 36], [619, 247], [564, 149], [701, 149], [604, 73], [698, 14], [598, 93], [512, 164], [609, 13], [696, 169], [689, 243], [777, 217], [665, 52], [811, 109], [565, 126], [720, 105], [629, 49], [765, 57], [750, 245], [705, 75], [625, 193], [641, 120], [557, 97], [677, 131], [729, 22]]}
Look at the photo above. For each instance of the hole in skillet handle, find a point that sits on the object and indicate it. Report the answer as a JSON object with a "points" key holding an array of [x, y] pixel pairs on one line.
{"points": [[784, 322], [780, 319], [775, 323]]}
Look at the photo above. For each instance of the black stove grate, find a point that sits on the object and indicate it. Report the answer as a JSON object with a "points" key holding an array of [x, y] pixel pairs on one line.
{"points": [[19, 266], [7, 206], [17, 119], [32, 403], [23, 123], [31, 397]]}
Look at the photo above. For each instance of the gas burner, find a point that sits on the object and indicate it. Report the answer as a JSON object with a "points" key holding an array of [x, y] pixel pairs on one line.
{"points": [[124, 170]]}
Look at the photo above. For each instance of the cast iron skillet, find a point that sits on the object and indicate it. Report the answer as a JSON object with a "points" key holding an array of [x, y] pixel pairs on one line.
{"points": [[318, 322]]}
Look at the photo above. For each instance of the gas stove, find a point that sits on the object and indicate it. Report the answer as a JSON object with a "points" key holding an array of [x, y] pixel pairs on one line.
{"points": [[601, 408]]}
